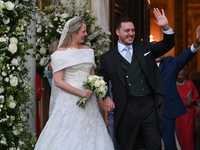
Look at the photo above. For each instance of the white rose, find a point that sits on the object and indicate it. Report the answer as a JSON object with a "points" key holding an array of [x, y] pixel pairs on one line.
{"points": [[8, 29], [1, 89], [2, 5], [16, 132], [10, 97], [6, 21], [43, 61], [14, 62], [3, 141], [12, 48], [11, 104], [14, 81], [6, 79], [9, 5], [90, 79], [97, 83], [1, 99], [13, 40], [2, 39], [102, 89], [4, 73], [10, 76], [43, 50], [39, 29], [19, 68]]}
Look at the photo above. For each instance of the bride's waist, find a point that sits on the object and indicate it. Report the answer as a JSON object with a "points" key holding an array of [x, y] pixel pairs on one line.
{"points": [[76, 83]]}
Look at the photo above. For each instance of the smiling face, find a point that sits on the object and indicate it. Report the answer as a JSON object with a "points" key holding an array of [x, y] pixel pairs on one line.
{"points": [[80, 36], [126, 33]]}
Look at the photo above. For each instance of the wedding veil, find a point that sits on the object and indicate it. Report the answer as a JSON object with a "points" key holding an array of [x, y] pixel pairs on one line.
{"points": [[68, 24]]}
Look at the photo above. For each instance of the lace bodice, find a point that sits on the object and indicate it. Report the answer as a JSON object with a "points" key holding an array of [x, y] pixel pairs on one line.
{"points": [[77, 74]]}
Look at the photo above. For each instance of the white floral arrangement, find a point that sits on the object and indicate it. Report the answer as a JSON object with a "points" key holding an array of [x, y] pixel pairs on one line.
{"points": [[97, 85], [14, 87], [49, 25]]}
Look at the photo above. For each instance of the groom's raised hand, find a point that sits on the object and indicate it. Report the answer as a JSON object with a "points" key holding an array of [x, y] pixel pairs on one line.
{"points": [[108, 104], [162, 20]]}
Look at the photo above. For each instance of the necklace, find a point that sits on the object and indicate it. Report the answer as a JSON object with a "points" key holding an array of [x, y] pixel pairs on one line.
{"points": [[180, 83]]}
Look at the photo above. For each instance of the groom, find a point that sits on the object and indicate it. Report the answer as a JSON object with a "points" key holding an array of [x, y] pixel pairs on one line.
{"points": [[138, 93]]}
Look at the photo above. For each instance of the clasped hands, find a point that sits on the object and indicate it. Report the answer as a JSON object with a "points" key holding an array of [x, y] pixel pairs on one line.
{"points": [[107, 104]]}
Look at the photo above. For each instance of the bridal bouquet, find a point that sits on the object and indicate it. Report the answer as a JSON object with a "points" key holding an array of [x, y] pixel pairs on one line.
{"points": [[95, 84]]}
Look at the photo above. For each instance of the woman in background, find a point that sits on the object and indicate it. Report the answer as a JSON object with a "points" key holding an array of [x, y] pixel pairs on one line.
{"points": [[186, 123]]}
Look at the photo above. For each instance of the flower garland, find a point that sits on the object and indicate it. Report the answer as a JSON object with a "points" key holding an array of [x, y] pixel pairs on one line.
{"points": [[50, 23], [14, 87]]}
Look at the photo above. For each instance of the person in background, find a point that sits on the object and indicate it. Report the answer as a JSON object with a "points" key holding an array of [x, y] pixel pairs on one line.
{"points": [[109, 121], [173, 108], [195, 77], [48, 69], [186, 123], [38, 97]]}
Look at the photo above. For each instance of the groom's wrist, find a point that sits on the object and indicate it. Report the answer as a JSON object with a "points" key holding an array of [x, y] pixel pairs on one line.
{"points": [[165, 28]]}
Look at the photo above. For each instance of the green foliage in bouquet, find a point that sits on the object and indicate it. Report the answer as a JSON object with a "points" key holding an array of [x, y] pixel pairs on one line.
{"points": [[50, 23], [15, 90]]}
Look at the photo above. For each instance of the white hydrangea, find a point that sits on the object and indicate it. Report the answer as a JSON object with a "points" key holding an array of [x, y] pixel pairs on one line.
{"points": [[64, 15], [9, 5], [12, 48], [6, 21], [13, 40], [14, 62], [14, 81], [1, 99]]}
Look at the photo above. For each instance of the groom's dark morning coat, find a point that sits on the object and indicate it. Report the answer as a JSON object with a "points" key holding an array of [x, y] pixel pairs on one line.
{"points": [[111, 69]]}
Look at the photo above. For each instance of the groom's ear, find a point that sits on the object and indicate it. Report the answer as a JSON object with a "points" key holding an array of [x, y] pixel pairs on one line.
{"points": [[117, 32]]}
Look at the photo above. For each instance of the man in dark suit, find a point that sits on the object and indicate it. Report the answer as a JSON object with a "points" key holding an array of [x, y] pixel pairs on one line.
{"points": [[174, 107], [138, 93]]}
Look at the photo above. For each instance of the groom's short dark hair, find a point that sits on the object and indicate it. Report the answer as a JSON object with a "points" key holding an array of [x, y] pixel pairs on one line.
{"points": [[120, 20]]}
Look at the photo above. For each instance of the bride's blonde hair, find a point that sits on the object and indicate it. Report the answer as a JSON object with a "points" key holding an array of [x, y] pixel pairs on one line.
{"points": [[74, 28]]}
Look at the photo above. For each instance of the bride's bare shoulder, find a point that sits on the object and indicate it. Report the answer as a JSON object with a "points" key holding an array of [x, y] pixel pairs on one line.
{"points": [[60, 49], [84, 47]]}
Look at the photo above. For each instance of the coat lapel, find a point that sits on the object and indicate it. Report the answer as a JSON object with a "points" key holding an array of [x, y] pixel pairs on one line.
{"points": [[117, 64]]}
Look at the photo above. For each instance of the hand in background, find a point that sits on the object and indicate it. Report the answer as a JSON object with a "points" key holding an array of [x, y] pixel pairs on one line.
{"points": [[197, 42]]}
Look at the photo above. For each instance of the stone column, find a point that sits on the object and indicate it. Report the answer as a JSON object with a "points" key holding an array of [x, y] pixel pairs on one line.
{"points": [[31, 63]]}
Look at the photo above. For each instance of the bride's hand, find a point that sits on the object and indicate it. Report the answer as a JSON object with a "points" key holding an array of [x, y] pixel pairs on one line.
{"points": [[87, 93]]}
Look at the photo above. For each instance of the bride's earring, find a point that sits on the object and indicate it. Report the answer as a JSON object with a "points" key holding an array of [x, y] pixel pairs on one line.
{"points": [[73, 36]]}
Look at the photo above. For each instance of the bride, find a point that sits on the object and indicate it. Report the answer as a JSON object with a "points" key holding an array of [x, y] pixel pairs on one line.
{"points": [[71, 127]]}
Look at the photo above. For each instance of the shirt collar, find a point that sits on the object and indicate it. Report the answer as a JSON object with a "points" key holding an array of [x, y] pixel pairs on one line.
{"points": [[122, 46]]}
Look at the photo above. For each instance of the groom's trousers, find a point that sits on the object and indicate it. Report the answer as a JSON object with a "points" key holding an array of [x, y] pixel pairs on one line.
{"points": [[139, 116]]}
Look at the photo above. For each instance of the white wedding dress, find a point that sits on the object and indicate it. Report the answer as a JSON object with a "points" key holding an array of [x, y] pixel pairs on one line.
{"points": [[71, 127]]}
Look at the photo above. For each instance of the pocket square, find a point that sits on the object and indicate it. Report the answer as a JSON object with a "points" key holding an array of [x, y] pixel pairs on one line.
{"points": [[147, 53]]}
